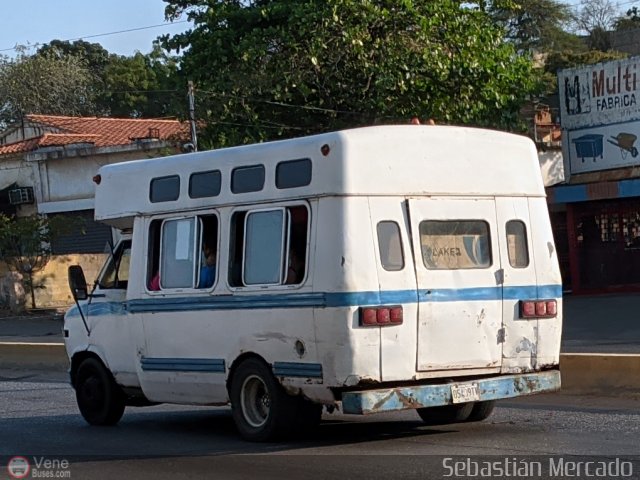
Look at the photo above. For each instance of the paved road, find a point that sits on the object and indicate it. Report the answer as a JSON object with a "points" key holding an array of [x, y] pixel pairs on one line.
{"points": [[40, 418]]}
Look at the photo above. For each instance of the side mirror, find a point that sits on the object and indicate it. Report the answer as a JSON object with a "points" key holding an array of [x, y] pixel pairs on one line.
{"points": [[77, 283]]}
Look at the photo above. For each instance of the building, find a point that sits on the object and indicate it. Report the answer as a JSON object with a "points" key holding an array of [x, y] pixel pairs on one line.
{"points": [[47, 164], [596, 212]]}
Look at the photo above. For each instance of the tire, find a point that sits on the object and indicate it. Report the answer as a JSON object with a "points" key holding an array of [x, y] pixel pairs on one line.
{"points": [[309, 415], [261, 409], [100, 400], [445, 414], [481, 411]]}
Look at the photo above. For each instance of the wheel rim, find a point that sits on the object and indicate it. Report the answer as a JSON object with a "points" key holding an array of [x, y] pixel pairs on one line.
{"points": [[255, 401]]}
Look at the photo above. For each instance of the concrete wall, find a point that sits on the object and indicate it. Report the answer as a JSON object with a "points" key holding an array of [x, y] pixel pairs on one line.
{"points": [[53, 279], [71, 177]]}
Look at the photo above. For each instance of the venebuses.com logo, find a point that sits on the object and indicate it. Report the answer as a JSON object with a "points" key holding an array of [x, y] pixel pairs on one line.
{"points": [[38, 467], [18, 467]]}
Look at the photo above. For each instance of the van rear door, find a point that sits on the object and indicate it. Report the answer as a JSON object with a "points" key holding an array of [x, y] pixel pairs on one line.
{"points": [[459, 273]]}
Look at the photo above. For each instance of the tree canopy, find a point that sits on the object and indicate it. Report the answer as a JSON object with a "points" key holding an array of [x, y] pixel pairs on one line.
{"points": [[272, 68], [45, 84]]}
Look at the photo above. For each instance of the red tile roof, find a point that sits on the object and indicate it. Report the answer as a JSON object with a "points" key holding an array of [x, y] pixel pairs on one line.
{"points": [[100, 131]]}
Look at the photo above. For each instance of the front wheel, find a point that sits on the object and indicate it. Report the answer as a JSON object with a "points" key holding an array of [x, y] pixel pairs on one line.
{"points": [[261, 409], [445, 414], [100, 400]]}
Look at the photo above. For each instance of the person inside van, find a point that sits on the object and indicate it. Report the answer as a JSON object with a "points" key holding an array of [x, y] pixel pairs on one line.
{"points": [[295, 271], [208, 269]]}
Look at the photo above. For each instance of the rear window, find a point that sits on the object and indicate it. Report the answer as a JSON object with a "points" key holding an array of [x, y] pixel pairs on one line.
{"points": [[390, 245], [517, 244], [455, 244]]}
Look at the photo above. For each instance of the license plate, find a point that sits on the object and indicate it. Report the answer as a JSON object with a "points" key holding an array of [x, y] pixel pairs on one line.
{"points": [[465, 392]]}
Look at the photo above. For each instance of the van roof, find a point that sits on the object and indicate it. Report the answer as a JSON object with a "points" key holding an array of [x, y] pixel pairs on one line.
{"points": [[386, 160]]}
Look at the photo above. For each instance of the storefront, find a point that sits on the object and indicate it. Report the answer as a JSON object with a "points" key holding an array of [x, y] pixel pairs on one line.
{"points": [[597, 231]]}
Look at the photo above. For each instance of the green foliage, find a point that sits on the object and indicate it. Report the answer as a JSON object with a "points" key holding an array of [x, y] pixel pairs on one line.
{"points": [[275, 68], [537, 25], [561, 60], [25, 244], [141, 85], [628, 22], [45, 84]]}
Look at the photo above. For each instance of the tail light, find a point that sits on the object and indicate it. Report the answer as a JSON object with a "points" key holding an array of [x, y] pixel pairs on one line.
{"points": [[538, 308], [380, 316]]}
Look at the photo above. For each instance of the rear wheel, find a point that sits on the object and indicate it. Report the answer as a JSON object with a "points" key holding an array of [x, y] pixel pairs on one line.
{"points": [[445, 414], [100, 400], [481, 411], [261, 409]]}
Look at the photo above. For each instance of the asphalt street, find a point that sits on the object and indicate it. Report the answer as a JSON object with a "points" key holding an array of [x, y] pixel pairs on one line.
{"points": [[39, 419]]}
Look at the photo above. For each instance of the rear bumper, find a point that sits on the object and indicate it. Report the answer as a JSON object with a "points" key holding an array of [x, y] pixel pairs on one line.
{"points": [[403, 398]]}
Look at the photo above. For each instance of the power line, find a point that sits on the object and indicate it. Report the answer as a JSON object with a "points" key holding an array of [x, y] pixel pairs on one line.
{"points": [[102, 34]]}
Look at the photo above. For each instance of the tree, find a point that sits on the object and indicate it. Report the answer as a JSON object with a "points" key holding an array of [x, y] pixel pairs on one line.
{"points": [[44, 84], [274, 68], [630, 21], [25, 244], [537, 25], [141, 85], [597, 17]]}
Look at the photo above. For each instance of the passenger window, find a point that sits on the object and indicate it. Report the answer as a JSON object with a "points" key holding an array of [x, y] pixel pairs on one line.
{"points": [[263, 255], [183, 253], [205, 184], [247, 179], [268, 247], [455, 244], [116, 272], [164, 189], [293, 173], [517, 244], [390, 245]]}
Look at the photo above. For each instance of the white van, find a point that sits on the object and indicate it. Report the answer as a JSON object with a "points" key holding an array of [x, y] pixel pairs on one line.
{"points": [[369, 270]]}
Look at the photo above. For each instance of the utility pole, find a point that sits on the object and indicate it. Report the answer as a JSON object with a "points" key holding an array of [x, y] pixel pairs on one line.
{"points": [[192, 116]]}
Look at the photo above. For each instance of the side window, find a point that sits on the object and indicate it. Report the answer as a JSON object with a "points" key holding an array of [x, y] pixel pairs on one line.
{"points": [[264, 248], [164, 189], [177, 253], [517, 244], [293, 173], [390, 245], [115, 275], [183, 253], [268, 247], [455, 244], [247, 179], [205, 184]]}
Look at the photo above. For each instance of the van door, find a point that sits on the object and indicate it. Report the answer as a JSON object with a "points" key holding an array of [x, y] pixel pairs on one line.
{"points": [[520, 283], [397, 284], [459, 273]]}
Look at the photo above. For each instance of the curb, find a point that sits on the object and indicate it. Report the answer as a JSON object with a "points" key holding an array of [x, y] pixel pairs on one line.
{"points": [[31, 355], [600, 373], [582, 373]]}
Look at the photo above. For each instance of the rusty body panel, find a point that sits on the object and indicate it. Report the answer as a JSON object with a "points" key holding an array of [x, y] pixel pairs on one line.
{"points": [[403, 398]]}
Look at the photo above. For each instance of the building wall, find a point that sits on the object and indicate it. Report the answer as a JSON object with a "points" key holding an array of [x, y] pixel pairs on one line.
{"points": [[70, 178], [53, 279]]}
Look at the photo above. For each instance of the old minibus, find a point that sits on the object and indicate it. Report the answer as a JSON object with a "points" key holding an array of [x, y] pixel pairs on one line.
{"points": [[367, 270]]}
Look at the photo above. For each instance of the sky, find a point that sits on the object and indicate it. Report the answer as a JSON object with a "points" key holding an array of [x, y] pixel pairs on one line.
{"points": [[29, 22]]}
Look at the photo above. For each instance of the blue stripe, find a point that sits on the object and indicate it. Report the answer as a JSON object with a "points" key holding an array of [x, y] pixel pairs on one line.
{"points": [[323, 300], [182, 365], [295, 369]]}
